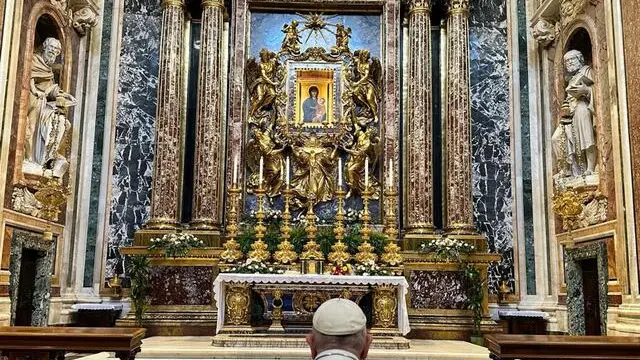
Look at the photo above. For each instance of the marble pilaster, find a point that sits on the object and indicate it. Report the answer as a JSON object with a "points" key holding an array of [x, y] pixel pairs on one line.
{"points": [[165, 196], [207, 184], [419, 199], [459, 207]]}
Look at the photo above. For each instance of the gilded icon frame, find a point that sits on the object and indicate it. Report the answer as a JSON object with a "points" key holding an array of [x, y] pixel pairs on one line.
{"points": [[323, 81]]}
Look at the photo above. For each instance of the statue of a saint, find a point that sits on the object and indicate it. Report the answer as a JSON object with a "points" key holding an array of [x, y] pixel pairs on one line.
{"points": [[364, 89], [263, 145], [574, 138], [291, 42], [364, 145], [263, 87], [47, 121], [314, 178]]}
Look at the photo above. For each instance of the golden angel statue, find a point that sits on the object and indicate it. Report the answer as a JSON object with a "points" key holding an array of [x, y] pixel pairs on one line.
{"points": [[314, 174], [291, 42], [263, 83], [263, 144], [343, 34], [365, 85], [365, 144]]}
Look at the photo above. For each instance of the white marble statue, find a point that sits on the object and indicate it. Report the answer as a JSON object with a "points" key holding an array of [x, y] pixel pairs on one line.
{"points": [[46, 118], [574, 142]]}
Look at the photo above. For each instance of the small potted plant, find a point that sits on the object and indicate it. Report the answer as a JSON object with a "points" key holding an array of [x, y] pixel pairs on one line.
{"points": [[475, 298]]}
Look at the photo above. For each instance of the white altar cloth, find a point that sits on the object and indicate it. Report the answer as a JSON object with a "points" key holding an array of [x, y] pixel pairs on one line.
{"points": [[399, 281]]}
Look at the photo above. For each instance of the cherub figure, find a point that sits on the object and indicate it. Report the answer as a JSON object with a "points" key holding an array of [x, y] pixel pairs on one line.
{"points": [[291, 42], [343, 34]]}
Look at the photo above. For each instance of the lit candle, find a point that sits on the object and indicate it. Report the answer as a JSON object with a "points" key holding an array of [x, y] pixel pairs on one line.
{"points": [[235, 170], [340, 172], [260, 173], [390, 177], [366, 172], [287, 173]]}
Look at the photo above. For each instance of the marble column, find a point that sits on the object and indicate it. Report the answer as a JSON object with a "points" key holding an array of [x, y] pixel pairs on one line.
{"points": [[165, 193], [418, 183], [208, 176], [459, 207]]}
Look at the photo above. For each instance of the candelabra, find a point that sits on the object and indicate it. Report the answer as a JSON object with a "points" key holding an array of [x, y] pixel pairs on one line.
{"points": [[259, 249], [231, 252], [365, 250], [391, 254], [285, 253], [339, 254], [311, 250]]}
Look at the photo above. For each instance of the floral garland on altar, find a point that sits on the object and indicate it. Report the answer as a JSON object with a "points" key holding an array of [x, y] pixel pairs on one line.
{"points": [[449, 249], [175, 244], [251, 266]]}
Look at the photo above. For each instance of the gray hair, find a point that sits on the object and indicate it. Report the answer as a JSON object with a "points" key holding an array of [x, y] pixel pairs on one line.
{"points": [[353, 343], [574, 53], [51, 41]]}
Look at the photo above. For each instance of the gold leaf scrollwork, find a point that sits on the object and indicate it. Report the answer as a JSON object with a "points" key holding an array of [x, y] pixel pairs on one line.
{"points": [[384, 305], [237, 304]]}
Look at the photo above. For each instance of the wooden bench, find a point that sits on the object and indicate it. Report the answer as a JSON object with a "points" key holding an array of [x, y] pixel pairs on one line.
{"points": [[44, 343], [560, 347]]}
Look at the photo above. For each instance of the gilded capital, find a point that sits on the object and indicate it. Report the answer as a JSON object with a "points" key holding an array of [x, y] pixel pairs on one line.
{"points": [[172, 3], [457, 7], [419, 6], [212, 3]]}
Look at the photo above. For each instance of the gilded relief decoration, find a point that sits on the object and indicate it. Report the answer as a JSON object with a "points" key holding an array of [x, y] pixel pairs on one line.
{"points": [[316, 108]]}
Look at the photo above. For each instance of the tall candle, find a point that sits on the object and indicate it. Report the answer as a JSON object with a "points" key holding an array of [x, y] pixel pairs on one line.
{"points": [[366, 172], [235, 170], [281, 171], [340, 172], [260, 173], [390, 177], [287, 173]]}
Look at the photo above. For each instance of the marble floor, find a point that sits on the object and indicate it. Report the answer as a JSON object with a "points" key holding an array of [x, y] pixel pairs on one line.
{"points": [[192, 348]]}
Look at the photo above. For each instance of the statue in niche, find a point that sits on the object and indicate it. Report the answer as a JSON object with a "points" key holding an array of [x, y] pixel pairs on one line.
{"points": [[366, 144], [47, 121], [574, 138], [263, 144], [262, 84], [314, 176], [364, 87], [291, 42], [343, 34]]}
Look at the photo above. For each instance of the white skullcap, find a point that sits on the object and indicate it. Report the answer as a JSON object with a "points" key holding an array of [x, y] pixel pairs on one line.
{"points": [[339, 317]]}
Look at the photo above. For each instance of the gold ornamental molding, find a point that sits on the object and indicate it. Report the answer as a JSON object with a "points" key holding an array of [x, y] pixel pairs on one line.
{"points": [[419, 6], [458, 7], [212, 3], [172, 3]]}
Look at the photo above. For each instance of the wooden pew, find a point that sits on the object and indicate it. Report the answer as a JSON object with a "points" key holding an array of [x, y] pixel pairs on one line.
{"points": [[49, 343], [560, 347]]}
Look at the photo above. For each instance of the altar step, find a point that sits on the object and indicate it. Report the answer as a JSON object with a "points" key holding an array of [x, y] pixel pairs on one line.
{"points": [[195, 348]]}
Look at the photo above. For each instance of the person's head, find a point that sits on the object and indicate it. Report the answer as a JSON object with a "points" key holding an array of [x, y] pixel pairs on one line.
{"points": [[321, 101], [573, 61], [265, 55], [339, 324], [313, 92], [51, 48]]}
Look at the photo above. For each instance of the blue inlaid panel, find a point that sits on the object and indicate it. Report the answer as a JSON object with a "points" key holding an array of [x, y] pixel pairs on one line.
{"points": [[265, 32], [134, 135], [491, 152]]}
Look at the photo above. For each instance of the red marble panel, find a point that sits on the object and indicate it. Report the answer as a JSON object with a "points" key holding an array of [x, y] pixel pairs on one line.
{"points": [[181, 285]]}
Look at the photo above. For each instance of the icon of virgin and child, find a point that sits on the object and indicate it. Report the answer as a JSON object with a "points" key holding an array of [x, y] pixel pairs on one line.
{"points": [[314, 108]]}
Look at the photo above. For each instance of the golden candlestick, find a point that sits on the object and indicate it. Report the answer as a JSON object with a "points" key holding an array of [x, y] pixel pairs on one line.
{"points": [[286, 253], [391, 254], [259, 249], [232, 253], [365, 250], [311, 250], [339, 254]]}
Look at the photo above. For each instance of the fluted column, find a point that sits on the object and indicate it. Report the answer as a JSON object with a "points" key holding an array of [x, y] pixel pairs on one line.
{"points": [[165, 194], [459, 208], [208, 175], [419, 189]]}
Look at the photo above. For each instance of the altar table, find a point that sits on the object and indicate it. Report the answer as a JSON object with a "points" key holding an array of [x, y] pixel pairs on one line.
{"points": [[232, 293]]}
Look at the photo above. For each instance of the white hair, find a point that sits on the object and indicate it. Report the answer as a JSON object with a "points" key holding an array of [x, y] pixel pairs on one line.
{"points": [[51, 41], [574, 53]]}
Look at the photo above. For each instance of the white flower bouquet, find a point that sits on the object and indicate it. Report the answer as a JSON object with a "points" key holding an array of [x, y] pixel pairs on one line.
{"points": [[447, 248], [175, 244], [370, 268], [251, 266]]}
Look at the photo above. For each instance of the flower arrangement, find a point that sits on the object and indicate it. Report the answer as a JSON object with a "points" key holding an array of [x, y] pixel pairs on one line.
{"points": [[447, 248], [175, 244], [370, 269], [345, 269], [251, 266]]}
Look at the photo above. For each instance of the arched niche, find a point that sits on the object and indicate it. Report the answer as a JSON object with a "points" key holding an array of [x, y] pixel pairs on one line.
{"points": [[580, 40]]}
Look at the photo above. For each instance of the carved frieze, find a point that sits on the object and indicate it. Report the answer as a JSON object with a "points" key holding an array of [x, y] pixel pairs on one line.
{"points": [[80, 15], [544, 31]]}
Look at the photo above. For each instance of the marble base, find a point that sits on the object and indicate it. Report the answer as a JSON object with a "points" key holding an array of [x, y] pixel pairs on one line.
{"points": [[296, 341], [169, 347]]}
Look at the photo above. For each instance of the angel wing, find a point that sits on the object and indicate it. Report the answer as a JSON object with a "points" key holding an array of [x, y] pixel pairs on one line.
{"points": [[375, 73], [375, 150], [252, 154], [252, 73]]}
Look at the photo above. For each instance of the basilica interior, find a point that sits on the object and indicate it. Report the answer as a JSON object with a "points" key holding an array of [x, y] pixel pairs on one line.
{"points": [[202, 175]]}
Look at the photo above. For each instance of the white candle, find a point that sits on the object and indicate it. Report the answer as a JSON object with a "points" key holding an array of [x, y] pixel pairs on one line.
{"points": [[260, 173], [281, 171], [340, 172], [235, 170], [390, 177], [366, 172], [287, 173]]}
